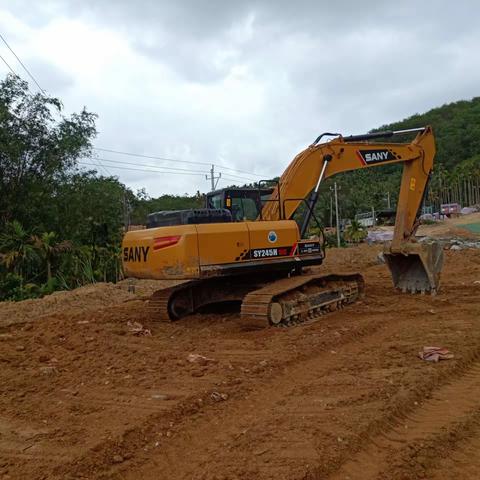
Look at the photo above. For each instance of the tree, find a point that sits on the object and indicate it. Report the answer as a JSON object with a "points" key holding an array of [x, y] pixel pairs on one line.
{"points": [[15, 247], [142, 204], [90, 209], [355, 233], [49, 247], [39, 147]]}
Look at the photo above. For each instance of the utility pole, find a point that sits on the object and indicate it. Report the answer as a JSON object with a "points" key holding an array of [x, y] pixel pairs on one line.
{"points": [[336, 214], [212, 178], [331, 208], [126, 211]]}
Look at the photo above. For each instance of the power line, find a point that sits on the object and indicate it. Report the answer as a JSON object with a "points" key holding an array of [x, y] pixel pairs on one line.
{"points": [[148, 166], [102, 166], [237, 177], [22, 64], [203, 172], [165, 159], [9, 67], [143, 169], [234, 181]]}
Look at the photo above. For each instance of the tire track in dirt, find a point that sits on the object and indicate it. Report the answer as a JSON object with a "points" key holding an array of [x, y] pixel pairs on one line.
{"points": [[456, 401], [254, 436], [459, 452], [286, 416], [184, 424], [420, 458], [283, 397]]}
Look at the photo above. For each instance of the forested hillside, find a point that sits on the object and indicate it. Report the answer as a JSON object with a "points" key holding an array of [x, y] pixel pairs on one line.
{"points": [[456, 175], [61, 226], [457, 130]]}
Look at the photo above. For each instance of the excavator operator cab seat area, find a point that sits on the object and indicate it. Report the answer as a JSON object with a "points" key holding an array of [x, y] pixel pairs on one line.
{"points": [[243, 203]]}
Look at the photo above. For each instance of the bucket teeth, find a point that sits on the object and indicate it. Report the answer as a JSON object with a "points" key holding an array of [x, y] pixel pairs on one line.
{"points": [[415, 267]]}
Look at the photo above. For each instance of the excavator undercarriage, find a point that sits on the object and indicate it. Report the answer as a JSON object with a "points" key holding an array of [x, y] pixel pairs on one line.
{"points": [[268, 301]]}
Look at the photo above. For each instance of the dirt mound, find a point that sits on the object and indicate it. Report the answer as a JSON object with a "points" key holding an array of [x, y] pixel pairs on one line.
{"points": [[144, 288], [87, 298], [84, 299]]}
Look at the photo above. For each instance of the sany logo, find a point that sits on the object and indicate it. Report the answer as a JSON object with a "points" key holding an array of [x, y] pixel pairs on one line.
{"points": [[135, 254], [375, 156], [371, 157]]}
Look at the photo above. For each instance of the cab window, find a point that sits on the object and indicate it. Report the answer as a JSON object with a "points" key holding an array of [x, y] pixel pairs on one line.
{"points": [[243, 209], [215, 201]]}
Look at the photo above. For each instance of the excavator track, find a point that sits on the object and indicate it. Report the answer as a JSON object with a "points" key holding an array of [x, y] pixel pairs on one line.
{"points": [[160, 301], [294, 300], [283, 302], [189, 297]]}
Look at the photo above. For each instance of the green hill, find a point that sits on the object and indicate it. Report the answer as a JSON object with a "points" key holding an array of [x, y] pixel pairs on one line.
{"points": [[456, 127], [456, 175]]}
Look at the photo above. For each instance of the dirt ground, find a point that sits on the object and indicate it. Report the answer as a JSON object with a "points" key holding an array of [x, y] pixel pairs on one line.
{"points": [[93, 387]]}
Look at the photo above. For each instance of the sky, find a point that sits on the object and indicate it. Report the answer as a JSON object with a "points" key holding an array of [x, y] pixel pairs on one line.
{"points": [[244, 85]]}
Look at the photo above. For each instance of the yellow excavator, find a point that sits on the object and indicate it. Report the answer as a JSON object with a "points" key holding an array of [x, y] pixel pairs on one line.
{"points": [[246, 247]]}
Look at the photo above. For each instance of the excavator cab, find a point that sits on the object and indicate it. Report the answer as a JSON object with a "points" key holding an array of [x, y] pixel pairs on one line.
{"points": [[221, 206], [243, 203]]}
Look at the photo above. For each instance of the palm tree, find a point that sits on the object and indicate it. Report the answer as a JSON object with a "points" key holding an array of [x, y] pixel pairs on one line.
{"points": [[49, 247], [15, 247], [355, 233], [115, 251]]}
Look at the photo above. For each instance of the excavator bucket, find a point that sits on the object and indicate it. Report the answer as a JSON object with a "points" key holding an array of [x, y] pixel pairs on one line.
{"points": [[416, 267]]}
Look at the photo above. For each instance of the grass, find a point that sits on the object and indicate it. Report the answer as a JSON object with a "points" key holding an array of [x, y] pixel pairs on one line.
{"points": [[473, 227]]}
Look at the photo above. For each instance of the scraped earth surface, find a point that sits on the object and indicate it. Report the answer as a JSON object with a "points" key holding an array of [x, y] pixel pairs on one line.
{"points": [[104, 391]]}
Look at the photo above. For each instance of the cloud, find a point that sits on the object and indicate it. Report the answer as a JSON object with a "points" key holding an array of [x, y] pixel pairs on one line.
{"points": [[245, 84]]}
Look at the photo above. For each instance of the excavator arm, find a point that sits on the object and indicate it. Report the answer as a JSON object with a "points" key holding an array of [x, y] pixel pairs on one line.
{"points": [[414, 267]]}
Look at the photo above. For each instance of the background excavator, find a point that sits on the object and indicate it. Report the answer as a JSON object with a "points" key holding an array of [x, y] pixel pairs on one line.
{"points": [[246, 247]]}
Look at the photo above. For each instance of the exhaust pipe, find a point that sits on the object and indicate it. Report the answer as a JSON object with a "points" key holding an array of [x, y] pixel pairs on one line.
{"points": [[415, 267]]}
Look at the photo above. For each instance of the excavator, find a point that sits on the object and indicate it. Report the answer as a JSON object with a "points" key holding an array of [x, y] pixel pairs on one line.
{"points": [[251, 246]]}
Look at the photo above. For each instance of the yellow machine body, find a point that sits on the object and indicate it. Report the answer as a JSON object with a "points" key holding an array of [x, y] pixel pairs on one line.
{"points": [[203, 250]]}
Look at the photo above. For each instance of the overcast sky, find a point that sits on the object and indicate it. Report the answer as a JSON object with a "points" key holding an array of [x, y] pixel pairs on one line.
{"points": [[245, 84]]}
